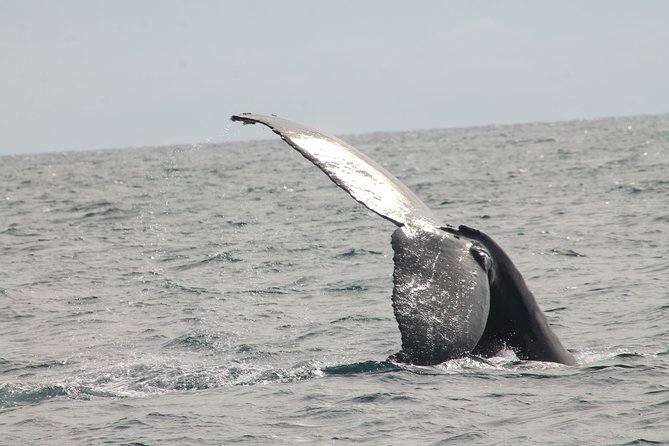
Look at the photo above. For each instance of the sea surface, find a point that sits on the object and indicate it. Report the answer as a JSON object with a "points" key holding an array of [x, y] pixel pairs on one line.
{"points": [[231, 294]]}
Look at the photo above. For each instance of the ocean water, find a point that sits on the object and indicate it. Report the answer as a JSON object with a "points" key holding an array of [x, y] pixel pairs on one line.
{"points": [[230, 293]]}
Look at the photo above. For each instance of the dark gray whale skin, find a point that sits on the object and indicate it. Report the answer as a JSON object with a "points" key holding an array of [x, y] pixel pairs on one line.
{"points": [[456, 292], [439, 295], [515, 319]]}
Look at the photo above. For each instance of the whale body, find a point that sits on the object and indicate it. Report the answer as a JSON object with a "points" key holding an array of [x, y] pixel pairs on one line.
{"points": [[456, 292]]}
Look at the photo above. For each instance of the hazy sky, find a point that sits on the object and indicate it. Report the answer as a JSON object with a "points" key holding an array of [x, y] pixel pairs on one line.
{"points": [[100, 74]]}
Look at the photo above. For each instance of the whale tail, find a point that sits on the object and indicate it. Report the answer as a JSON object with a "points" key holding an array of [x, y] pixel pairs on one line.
{"points": [[455, 291]]}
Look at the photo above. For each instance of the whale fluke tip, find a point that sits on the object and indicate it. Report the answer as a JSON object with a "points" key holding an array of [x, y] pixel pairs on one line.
{"points": [[244, 118]]}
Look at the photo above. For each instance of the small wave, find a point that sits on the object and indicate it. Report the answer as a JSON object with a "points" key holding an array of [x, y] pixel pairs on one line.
{"points": [[7, 366], [357, 252], [82, 300], [187, 289], [19, 394], [212, 258], [356, 318], [90, 206], [611, 359], [196, 341], [343, 288], [13, 395], [175, 169], [629, 355], [15, 230], [555, 310], [268, 290], [567, 252], [609, 366], [642, 441], [109, 212], [362, 367]]}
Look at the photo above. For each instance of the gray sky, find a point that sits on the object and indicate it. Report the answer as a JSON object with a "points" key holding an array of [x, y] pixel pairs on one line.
{"points": [[99, 74]]}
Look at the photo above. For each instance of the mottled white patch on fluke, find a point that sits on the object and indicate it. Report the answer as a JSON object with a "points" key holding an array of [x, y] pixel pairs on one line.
{"points": [[365, 180]]}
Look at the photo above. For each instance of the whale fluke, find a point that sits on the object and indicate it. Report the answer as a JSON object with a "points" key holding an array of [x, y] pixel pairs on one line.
{"points": [[456, 292], [366, 181]]}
